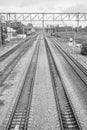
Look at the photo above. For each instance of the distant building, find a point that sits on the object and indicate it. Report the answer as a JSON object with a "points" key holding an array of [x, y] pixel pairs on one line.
{"points": [[30, 29], [29, 26], [10, 32]]}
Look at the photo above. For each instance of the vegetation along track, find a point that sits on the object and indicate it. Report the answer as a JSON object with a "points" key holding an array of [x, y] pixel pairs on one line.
{"points": [[67, 116], [10, 66], [20, 114], [79, 70]]}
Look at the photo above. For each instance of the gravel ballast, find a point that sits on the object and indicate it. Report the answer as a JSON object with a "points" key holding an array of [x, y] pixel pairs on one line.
{"points": [[76, 90], [11, 87], [43, 114]]}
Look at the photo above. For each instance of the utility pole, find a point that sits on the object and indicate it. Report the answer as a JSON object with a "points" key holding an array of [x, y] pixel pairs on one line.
{"points": [[23, 31], [66, 32], [77, 29], [0, 34], [10, 26], [43, 22]]}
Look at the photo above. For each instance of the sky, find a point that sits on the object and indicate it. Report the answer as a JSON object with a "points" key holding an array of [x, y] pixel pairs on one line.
{"points": [[43, 5]]}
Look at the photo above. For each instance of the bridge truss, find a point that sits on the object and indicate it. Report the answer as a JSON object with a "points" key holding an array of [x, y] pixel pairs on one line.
{"points": [[8, 17], [42, 17]]}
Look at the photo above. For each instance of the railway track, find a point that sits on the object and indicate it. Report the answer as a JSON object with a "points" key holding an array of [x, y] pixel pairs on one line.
{"points": [[8, 53], [67, 117], [75, 65], [66, 113], [21, 110], [10, 66]]}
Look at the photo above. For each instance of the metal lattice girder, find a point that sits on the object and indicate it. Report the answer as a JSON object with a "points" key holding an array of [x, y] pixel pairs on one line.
{"points": [[43, 16]]}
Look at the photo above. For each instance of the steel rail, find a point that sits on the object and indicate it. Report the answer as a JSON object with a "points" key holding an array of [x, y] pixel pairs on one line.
{"points": [[67, 116], [75, 65], [21, 109], [10, 66]]}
